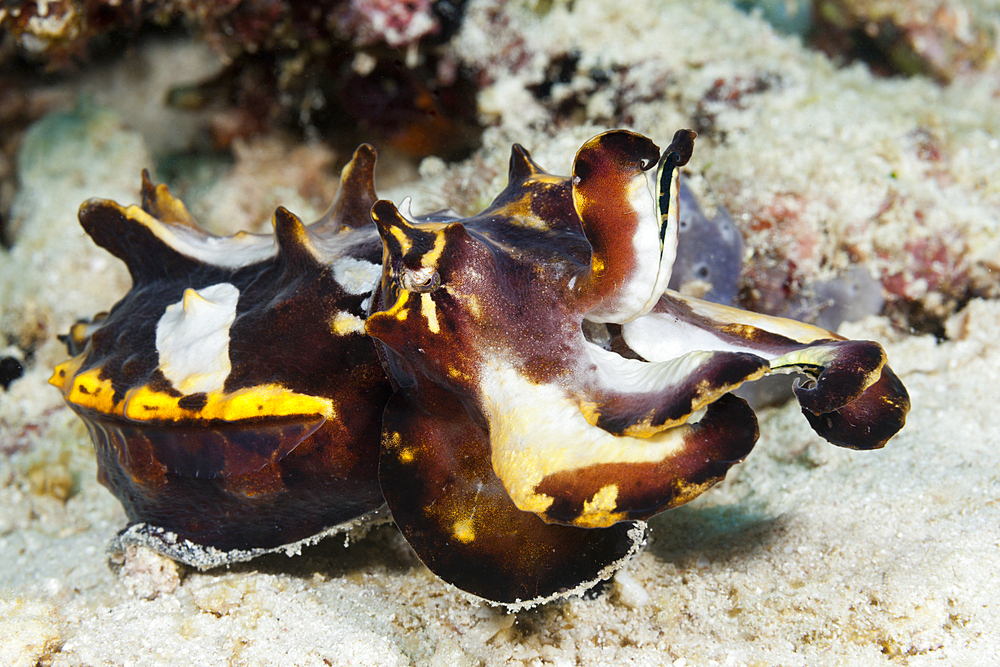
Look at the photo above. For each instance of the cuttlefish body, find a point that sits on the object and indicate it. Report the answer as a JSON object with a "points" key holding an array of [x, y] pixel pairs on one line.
{"points": [[519, 387]]}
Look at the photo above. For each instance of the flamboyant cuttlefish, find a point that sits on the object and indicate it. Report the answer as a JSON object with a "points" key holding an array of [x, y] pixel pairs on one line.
{"points": [[520, 388]]}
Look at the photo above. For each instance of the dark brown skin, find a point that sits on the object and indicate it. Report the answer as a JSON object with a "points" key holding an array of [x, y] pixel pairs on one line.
{"points": [[203, 500], [868, 421]]}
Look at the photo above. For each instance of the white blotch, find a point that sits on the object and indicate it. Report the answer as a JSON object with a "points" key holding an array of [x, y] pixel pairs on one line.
{"points": [[663, 337], [192, 338], [538, 429], [356, 276], [240, 249], [344, 323], [648, 279]]}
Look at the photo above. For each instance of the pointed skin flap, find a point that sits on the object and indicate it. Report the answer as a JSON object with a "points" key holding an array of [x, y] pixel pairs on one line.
{"points": [[295, 246], [355, 197], [401, 237], [159, 203], [521, 166], [129, 235]]}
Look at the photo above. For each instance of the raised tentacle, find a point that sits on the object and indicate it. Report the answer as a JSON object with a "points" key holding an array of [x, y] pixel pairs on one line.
{"points": [[630, 219]]}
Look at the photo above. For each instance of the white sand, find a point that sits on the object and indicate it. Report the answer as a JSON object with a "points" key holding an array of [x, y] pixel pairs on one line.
{"points": [[806, 555]]}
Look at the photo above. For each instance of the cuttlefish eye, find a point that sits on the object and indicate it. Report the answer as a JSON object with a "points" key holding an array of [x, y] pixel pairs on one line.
{"points": [[425, 279]]}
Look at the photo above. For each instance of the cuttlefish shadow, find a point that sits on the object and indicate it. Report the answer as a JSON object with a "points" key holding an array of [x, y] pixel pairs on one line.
{"points": [[688, 535]]}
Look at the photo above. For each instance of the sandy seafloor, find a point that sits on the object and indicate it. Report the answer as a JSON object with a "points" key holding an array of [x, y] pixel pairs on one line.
{"points": [[806, 555]]}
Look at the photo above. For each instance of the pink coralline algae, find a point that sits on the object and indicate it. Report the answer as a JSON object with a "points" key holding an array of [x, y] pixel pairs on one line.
{"points": [[393, 22]]}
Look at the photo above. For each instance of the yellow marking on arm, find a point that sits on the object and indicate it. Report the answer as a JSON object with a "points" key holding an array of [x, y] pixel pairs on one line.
{"points": [[393, 442], [267, 400], [401, 238], [464, 531], [456, 373], [548, 179], [145, 404], [397, 310], [645, 428], [62, 375], [591, 412], [88, 390], [529, 501], [729, 318], [431, 257], [598, 512], [429, 310], [519, 212], [471, 302]]}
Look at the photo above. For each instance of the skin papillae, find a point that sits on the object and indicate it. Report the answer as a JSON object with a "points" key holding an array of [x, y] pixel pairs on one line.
{"points": [[520, 388]]}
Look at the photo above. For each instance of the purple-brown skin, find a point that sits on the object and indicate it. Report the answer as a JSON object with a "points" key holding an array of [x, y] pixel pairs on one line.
{"points": [[528, 391]]}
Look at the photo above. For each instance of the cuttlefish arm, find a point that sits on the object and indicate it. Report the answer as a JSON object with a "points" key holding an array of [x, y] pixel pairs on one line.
{"points": [[849, 395], [554, 463], [578, 435], [616, 175]]}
